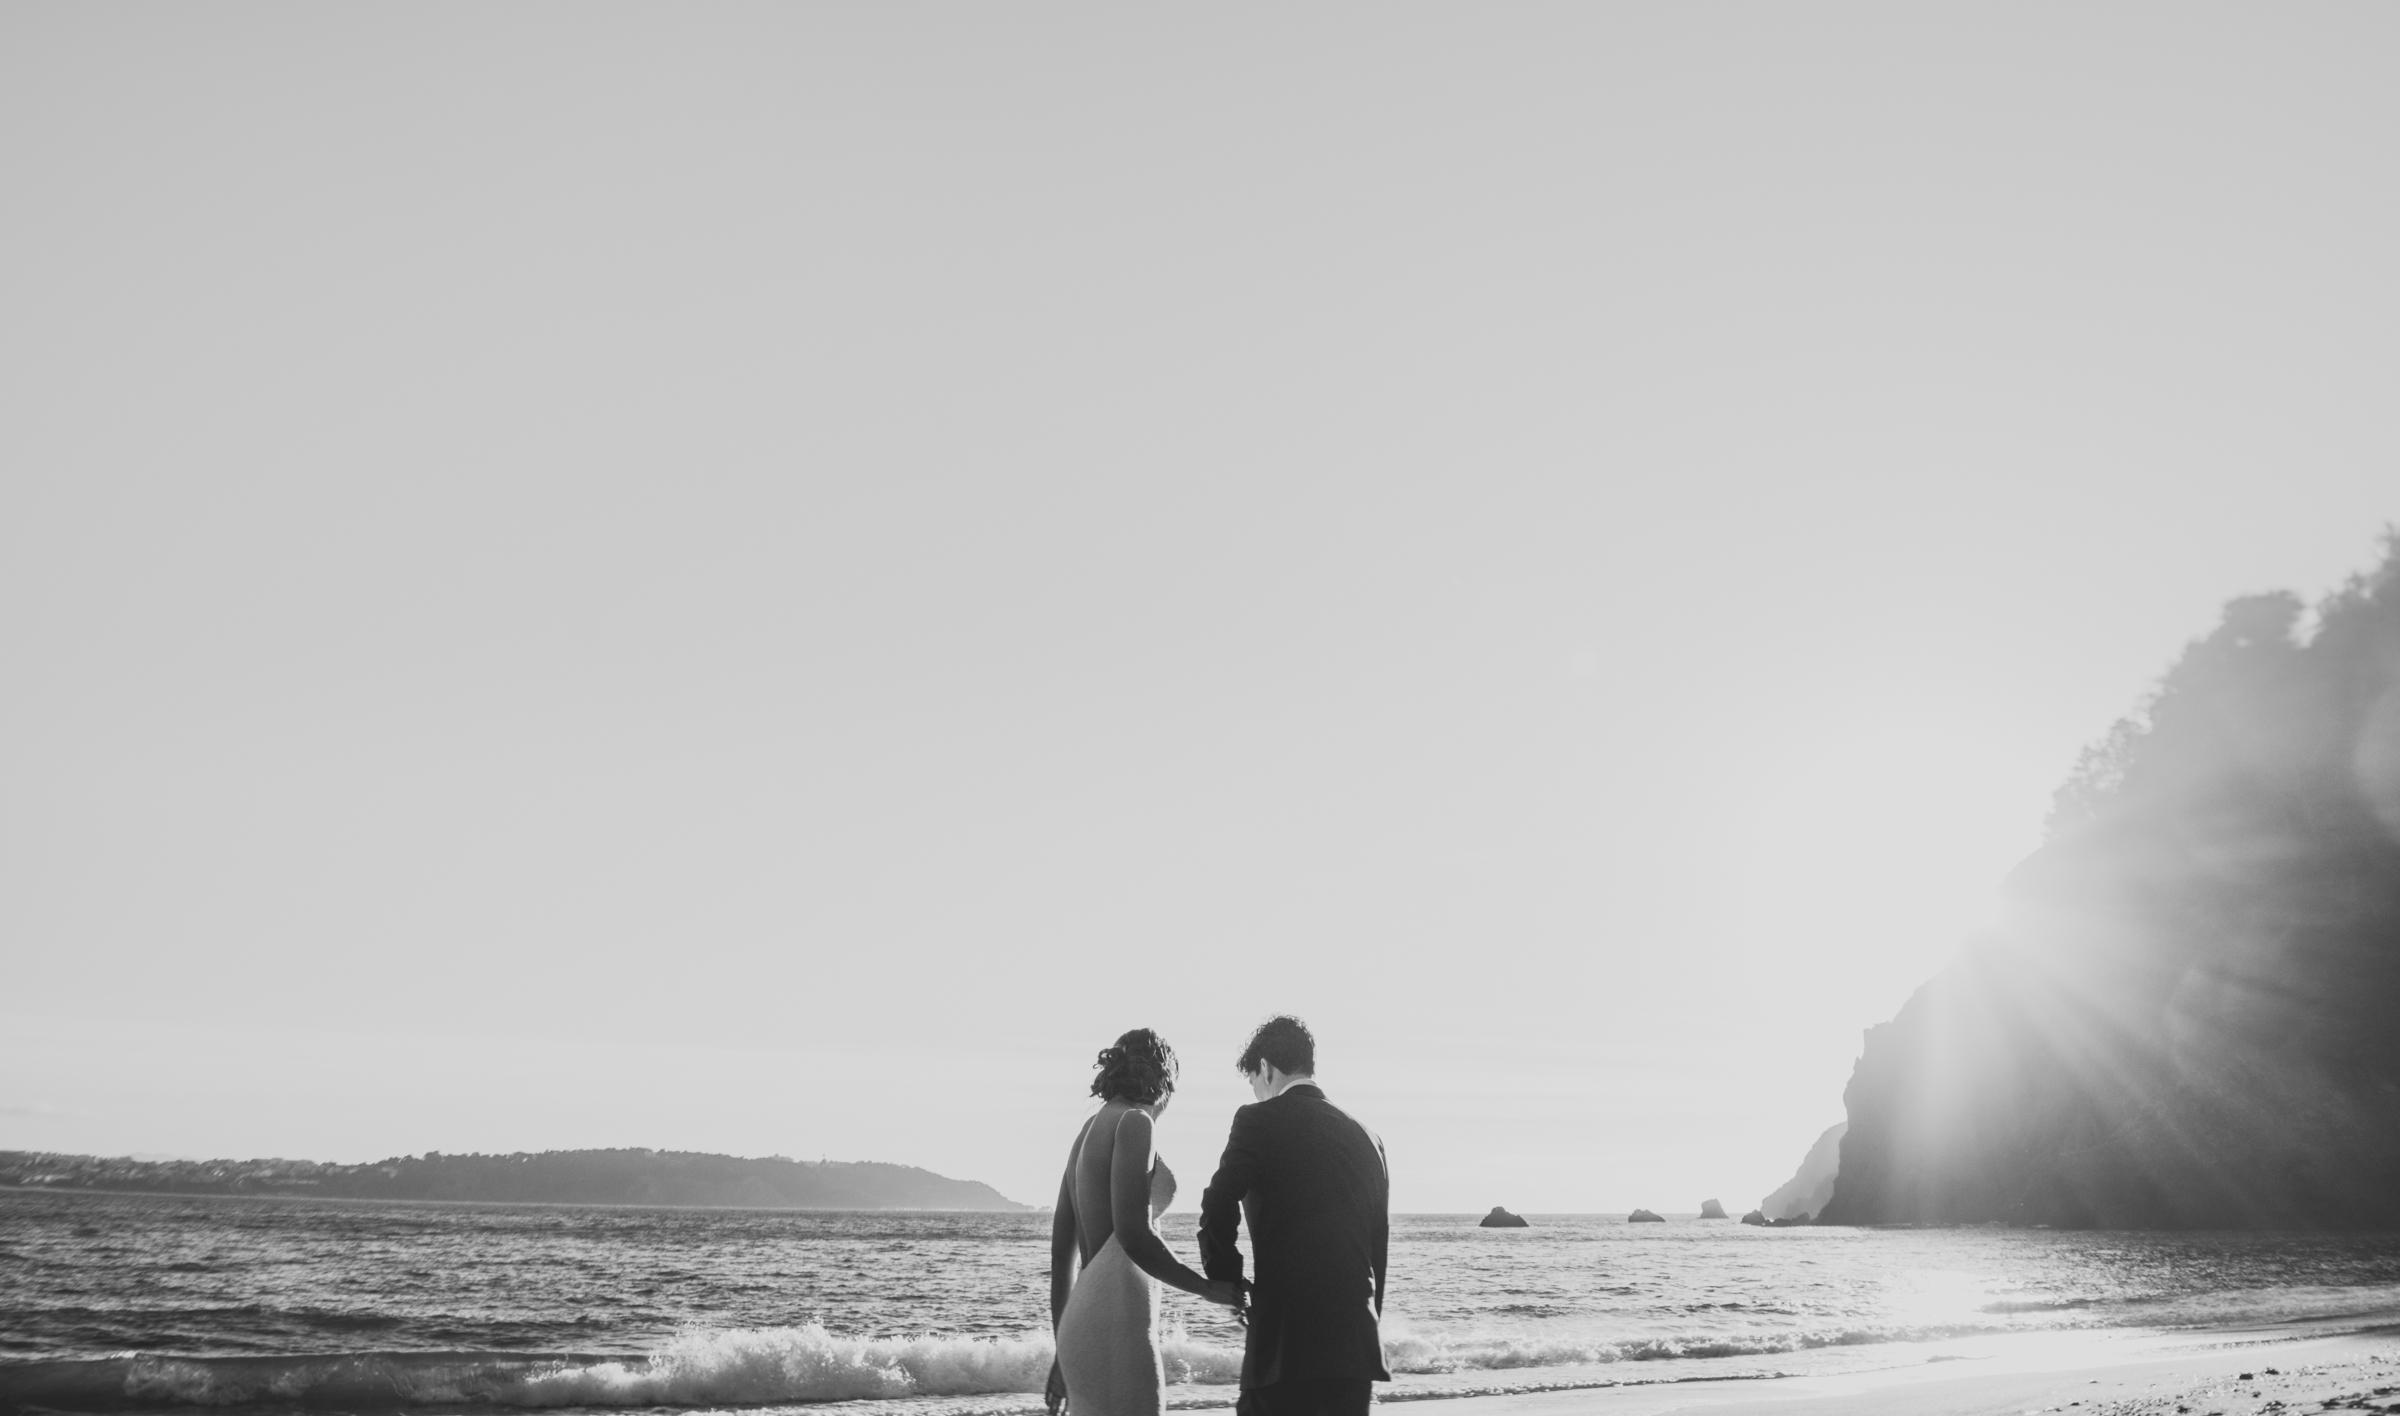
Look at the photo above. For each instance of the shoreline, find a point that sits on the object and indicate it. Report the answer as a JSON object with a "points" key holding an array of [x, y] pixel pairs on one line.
{"points": [[2303, 1368], [2290, 1370], [2234, 1371]]}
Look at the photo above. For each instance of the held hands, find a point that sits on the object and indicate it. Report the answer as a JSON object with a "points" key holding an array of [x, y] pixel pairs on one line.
{"points": [[1054, 1394], [1234, 1293]]}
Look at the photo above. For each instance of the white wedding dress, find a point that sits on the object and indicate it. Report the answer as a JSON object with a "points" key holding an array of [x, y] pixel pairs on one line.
{"points": [[1108, 1336]]}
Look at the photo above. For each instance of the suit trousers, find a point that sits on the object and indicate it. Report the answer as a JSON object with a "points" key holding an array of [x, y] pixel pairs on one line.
{"points": [[1331, 1396]]}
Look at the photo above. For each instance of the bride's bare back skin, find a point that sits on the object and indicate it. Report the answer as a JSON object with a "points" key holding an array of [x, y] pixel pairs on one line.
{"points": [[1113, 1187]]}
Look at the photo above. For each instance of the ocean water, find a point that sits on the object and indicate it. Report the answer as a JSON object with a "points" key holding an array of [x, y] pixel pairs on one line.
{"points": [[118, 1302]]}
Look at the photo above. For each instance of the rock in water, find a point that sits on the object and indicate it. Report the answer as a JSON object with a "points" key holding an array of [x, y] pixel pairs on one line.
{"points": [[1811, 1186], [1645, 1217], [2184, 1016], [1501, 1219], [1710, 1209], [1755, 1217]]}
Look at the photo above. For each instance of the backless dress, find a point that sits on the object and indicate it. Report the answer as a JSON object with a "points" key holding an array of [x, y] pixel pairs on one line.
{"points": [[1108, 1335]]}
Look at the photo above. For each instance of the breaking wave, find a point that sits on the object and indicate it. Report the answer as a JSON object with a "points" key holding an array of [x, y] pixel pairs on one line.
{"points": [[1407, 1353], [735, 1367], [792, 1365], [750, 1366], [811, 1364]]}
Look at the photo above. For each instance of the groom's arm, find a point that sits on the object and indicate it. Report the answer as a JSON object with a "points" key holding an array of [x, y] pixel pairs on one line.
{"points": [[1383, 1227], [1221, 1203]]}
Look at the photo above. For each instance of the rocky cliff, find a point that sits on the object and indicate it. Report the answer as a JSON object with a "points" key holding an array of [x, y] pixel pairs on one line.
{"points": [[2185, 1015], [1811, 1187]]}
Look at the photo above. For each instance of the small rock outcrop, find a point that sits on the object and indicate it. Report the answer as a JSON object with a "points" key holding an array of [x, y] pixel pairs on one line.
{"points": [[1757, 1217], [1645, 1217], [1791, 1221], [1710, 1209], [1500, 1218]]}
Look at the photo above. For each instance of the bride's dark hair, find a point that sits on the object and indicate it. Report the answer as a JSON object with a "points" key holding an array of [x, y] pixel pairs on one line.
{"points": [[1140, 1068]]}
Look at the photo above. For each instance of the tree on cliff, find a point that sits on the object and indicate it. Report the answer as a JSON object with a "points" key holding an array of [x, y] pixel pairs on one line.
{"points": [[2185, 1017]]}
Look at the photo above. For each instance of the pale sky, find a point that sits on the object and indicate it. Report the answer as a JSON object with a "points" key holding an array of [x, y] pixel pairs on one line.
{"points": [[769, 578]]}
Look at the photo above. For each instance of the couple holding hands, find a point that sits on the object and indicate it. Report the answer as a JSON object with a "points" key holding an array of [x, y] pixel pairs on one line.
{"points": [[1311, 1184]]}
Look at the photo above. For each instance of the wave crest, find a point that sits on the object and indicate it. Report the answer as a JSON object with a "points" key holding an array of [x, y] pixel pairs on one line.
{"points": [[740, 1366], [807, 1364], [1409, 1353], [754, 1365]]}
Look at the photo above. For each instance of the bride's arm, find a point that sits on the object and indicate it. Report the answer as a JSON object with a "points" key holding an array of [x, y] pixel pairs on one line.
{"points": [[1063, 1253], [1129, 1208], [1065, 1259]]}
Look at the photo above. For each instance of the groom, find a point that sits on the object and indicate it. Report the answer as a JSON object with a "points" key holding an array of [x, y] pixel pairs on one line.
{"points": [[1313, 1184]]}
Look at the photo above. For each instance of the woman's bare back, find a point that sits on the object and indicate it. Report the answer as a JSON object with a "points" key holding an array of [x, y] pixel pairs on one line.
{"points": [[1091, 1174]]}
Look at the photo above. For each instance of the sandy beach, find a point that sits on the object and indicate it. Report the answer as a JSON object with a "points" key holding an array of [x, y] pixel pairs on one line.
{"points": [[2221, 1373]]}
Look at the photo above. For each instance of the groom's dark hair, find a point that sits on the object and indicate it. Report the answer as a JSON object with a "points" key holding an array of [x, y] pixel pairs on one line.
{"points": [[1284, 1043]]}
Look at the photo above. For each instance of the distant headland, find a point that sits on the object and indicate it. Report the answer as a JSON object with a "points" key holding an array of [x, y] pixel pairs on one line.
{"points": [[583, 1177]]}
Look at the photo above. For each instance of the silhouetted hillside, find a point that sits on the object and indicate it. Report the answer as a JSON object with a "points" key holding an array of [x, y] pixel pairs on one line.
{"points": [[1811, 1186], [592, 1177], [2190, 1014]]}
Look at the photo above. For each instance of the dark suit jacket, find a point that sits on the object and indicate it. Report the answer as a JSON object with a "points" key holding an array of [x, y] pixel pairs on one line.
{"points": [[1314, 1187]]}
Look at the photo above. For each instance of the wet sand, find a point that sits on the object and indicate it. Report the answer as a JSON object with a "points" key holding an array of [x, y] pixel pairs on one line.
{"points": [[2225, 1373]]}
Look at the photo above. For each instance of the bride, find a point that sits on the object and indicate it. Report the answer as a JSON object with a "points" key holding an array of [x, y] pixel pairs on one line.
{"points": [[1106, 1317]]}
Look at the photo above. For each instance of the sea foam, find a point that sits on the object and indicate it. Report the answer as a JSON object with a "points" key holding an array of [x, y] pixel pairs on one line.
{"points": [[697, 1367], [808, 1363], [700, 1367]]}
